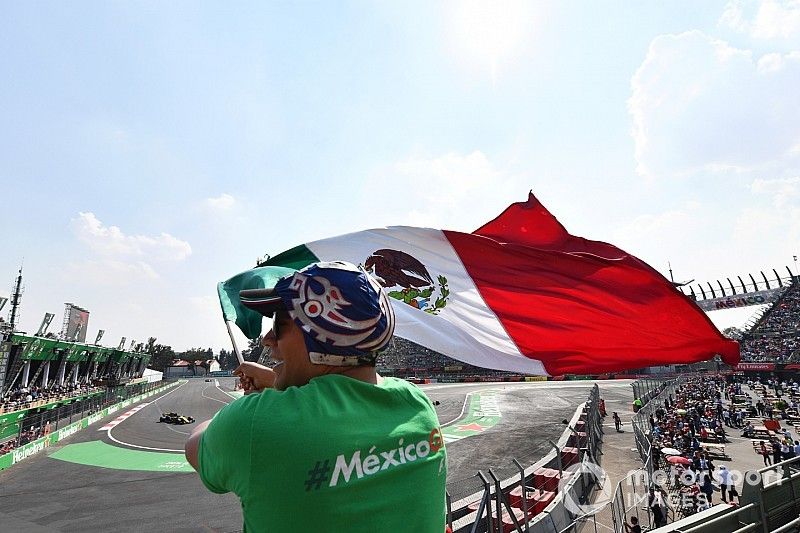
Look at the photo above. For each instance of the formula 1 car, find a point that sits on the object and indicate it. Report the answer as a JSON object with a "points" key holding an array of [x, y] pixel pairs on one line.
{"points": [[175, 418]]}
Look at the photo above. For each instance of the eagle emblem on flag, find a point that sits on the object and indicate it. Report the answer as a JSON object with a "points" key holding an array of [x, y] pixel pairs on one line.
{"points": [[405, 278]]}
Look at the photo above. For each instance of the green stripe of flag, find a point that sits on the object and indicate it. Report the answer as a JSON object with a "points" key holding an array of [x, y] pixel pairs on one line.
{"points": [[295, 258], [285, 263]]}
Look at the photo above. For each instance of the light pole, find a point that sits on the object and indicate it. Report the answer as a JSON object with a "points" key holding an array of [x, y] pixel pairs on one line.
{"points": [[796, 273]]}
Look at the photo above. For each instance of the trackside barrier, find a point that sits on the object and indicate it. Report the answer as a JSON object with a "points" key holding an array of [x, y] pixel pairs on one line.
{"points": [[548, 496], [631, 494], [23, 452], [32, 423]]}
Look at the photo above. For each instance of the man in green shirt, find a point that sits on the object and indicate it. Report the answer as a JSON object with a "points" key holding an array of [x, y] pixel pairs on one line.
{"points": [[322, 442]]}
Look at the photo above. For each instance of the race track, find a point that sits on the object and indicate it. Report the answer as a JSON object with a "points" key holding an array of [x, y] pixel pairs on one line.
{"points": [[133, 477]]}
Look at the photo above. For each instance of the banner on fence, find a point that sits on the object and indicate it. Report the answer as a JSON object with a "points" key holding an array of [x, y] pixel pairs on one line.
{"points": [[23, 452]]}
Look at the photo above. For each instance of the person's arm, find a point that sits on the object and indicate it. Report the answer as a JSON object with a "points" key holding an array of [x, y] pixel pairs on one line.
{"points": [[219, 449], [193, 444]]}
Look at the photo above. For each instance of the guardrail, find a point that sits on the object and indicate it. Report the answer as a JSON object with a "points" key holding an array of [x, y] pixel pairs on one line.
{"points": [[545, 496]]}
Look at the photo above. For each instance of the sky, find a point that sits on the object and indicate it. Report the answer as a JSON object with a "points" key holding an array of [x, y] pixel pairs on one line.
{"points": [[149, 150]]}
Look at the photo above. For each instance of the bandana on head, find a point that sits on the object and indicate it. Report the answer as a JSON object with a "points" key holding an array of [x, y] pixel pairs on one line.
{"points": [[345, 316]]}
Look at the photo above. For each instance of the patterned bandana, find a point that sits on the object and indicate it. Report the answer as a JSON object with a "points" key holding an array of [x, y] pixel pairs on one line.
{"points": [[345, 316]]}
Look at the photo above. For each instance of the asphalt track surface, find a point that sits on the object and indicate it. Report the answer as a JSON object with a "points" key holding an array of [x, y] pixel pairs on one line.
{"points": [[45, 494]]}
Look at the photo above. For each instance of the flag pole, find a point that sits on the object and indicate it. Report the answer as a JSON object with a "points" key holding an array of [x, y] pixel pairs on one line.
{"points": [[233, 342]]}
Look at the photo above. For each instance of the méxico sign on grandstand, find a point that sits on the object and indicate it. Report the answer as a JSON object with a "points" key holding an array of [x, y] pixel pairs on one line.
{"points": [[731, 302]]}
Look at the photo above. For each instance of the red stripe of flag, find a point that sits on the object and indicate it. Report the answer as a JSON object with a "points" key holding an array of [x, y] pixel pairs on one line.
{"points": [[582, 306]]}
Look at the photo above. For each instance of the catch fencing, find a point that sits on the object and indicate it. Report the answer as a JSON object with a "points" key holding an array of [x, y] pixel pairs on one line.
{"points": [[549, 495], [631, 494]]}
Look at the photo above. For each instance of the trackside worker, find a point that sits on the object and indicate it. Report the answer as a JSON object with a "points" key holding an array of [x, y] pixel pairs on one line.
{"points": [[322, 442]]}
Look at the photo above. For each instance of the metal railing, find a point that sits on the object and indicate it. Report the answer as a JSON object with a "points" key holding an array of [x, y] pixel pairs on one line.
{"points": [[634, 489], [37, 424]]}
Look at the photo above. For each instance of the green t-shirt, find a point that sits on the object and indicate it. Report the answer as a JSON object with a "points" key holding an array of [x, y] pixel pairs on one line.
{"points": [[336, 454]]}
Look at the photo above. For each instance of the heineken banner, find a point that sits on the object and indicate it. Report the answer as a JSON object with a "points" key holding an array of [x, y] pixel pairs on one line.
{"points": [[23, 452]]}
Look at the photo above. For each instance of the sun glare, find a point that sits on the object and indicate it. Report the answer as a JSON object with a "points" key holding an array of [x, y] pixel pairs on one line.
{"points": [[488, 35]]}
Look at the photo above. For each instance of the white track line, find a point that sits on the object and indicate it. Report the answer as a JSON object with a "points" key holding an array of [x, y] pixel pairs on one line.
{"points": [[203, 394], [110, 436], [124, 416], [226, 393], [463, 408]]}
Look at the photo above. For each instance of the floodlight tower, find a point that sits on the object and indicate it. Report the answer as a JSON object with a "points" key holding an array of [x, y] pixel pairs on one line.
{"points": [[16, 300]]}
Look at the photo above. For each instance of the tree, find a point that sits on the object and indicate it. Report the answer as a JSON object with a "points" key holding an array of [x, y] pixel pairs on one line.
{"points": [[160, 356], [253, 351], [227, 360]]}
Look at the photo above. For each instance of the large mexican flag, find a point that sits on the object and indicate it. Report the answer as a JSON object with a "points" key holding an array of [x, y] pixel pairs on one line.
{"points": [[518, 294]]}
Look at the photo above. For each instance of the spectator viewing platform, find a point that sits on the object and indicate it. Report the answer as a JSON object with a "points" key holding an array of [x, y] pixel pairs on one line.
{"points": [[775, 336]]}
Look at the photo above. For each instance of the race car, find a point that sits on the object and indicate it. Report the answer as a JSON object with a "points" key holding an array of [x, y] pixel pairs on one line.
{"points": [[175, 418]]}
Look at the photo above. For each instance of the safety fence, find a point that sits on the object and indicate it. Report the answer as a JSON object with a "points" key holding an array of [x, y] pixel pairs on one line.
{"points": [[645, 389], [770, 503], [632, 493], [45, 428], [549, 495]]}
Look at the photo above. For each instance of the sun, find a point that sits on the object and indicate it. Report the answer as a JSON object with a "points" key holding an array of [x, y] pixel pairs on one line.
{"points": [[489, 35]]}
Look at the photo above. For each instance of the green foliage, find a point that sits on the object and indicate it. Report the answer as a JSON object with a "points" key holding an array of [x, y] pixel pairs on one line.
{"points": [[253, 351], [227, 360], [161, 356]]}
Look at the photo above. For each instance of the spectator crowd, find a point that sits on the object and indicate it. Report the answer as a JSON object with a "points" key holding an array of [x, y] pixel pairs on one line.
{"points": [[22, 397], [775, 337], [687, 434]]}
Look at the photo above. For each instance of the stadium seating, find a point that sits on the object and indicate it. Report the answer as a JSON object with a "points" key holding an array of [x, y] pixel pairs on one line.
{"points": [[776, 337], [404, 358]]}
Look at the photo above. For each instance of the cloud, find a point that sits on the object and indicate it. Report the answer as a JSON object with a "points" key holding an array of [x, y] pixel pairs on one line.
{"points": [[766, 20], [700, 104], [110, 272], [222, 202], [111, 242], [785, 192], [771, 224], [453, 191], [655, 237]]}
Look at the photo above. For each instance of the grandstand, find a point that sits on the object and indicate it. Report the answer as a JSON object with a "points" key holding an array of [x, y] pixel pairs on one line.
{"points": [[407, 359], [45, 373], [775, 337]]}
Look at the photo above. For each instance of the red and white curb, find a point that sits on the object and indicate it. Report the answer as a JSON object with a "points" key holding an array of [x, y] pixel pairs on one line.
{"points": [[124, 416]]}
